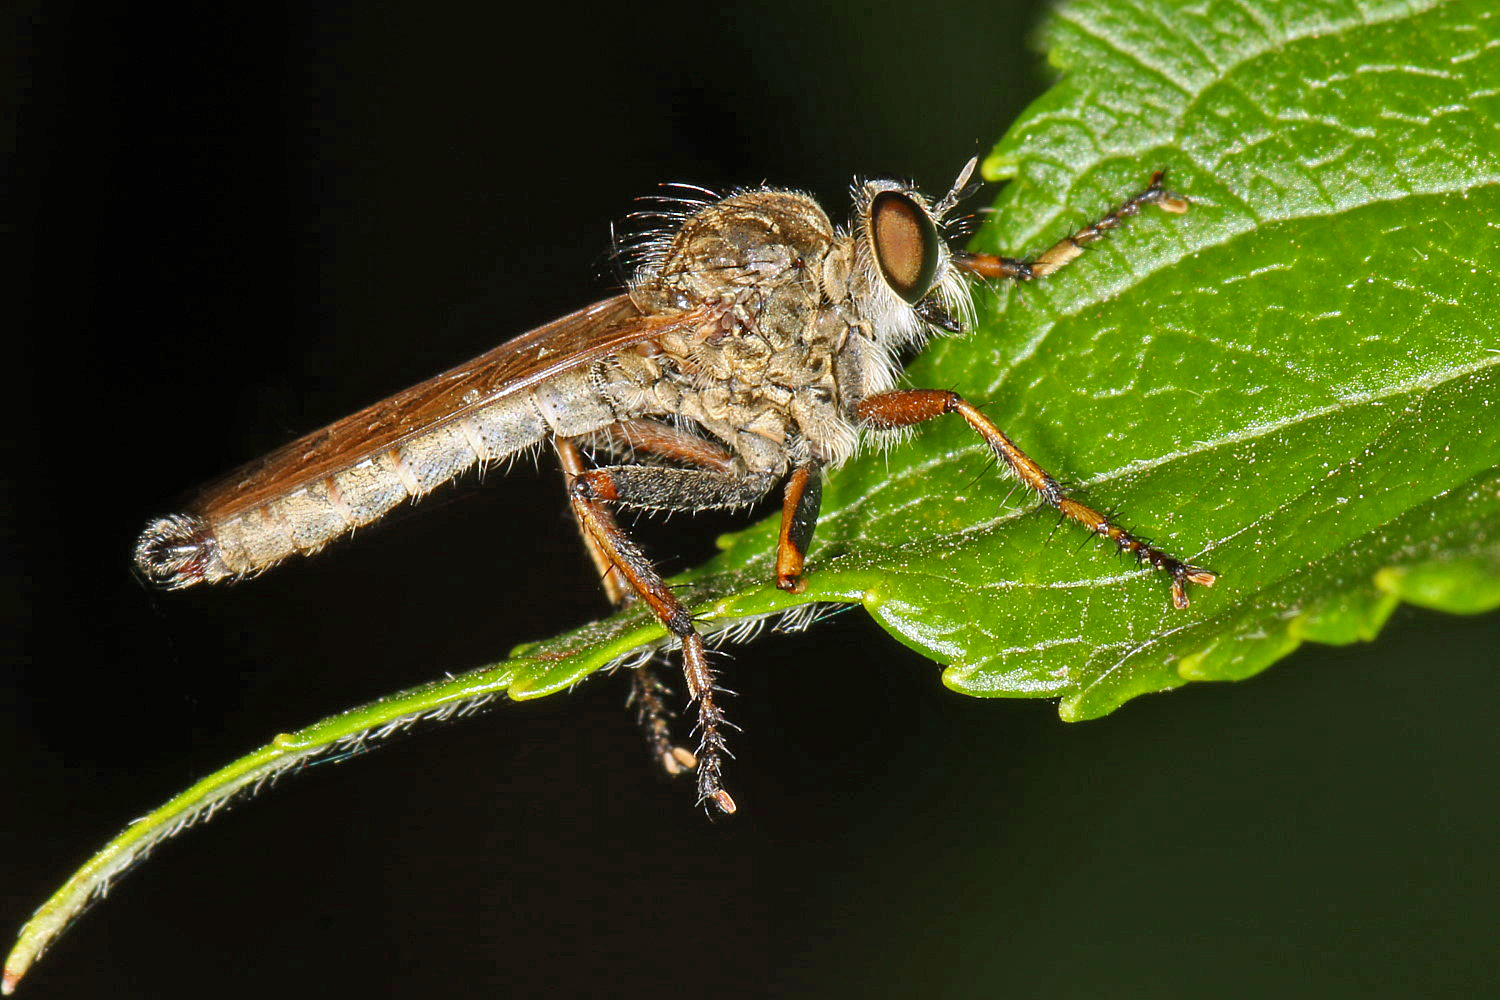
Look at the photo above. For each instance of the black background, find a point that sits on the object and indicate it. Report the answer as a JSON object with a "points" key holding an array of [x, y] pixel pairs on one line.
{"points": [[241, 223]]}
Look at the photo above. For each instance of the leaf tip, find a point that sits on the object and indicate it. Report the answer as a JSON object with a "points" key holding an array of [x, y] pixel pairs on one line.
{"points": [[999, 167]]}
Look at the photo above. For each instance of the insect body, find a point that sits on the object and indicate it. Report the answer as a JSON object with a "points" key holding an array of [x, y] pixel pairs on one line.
{"points": [[755, 345]]}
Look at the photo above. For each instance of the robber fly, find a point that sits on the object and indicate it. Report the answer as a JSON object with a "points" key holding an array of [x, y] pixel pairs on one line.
{"points": [[755, 345]]}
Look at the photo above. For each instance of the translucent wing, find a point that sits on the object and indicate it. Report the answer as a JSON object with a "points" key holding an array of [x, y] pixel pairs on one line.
{"points": [[574, 340]]}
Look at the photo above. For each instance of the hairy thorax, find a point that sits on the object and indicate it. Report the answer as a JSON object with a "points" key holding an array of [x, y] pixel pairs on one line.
{"points": [[769, 376]]}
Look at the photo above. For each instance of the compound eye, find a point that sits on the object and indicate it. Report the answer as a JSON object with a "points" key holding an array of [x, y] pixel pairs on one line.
{"points": [[906, 244]]}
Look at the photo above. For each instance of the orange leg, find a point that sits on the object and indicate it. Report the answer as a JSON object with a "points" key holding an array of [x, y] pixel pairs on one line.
{"points": [[591, 494], [902, 408], [799, 516], [647, 692], [1069, 248], [614, 586]]}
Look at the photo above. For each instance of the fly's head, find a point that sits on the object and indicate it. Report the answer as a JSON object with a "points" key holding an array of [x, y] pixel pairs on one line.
{"points": [[902, 278]]}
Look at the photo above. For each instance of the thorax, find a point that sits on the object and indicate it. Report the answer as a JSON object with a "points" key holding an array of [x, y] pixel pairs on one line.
{"points": [[776, 373]]}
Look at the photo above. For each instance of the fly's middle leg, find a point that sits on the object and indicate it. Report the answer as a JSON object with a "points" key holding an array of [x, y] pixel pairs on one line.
{"points": [[592, 493], [904, 407], [799, 516]]}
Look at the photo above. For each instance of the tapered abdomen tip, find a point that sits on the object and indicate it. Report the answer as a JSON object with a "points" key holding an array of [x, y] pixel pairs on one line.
{"points": [[175, 551]]}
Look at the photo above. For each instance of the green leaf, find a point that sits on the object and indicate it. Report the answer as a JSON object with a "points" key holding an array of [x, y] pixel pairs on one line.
{"points": [[1296, 384]]}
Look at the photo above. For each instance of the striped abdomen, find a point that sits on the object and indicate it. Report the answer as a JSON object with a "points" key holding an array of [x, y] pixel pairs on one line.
{"points": [[320, 488]]}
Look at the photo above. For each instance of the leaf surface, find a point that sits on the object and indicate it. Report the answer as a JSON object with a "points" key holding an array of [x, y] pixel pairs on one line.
{"points": [[1295, 384]]}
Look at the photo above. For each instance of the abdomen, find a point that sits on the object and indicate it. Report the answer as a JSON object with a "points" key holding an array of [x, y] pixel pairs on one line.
{"points": [[250, 521]]}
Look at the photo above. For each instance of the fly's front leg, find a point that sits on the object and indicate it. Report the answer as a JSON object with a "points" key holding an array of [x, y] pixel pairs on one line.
{"points": [[902, 408], [1068, 249], [591, 494]]}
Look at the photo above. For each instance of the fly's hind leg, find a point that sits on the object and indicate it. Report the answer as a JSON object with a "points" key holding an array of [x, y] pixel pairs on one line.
{"points": [[648, 693], [1070, 247], [648, 696], [904, 407], [647, 437], [592, 493], [610, 580]]}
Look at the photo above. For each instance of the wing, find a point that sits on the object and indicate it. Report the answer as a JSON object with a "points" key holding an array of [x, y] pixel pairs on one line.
{"points": [[576, 339]]}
